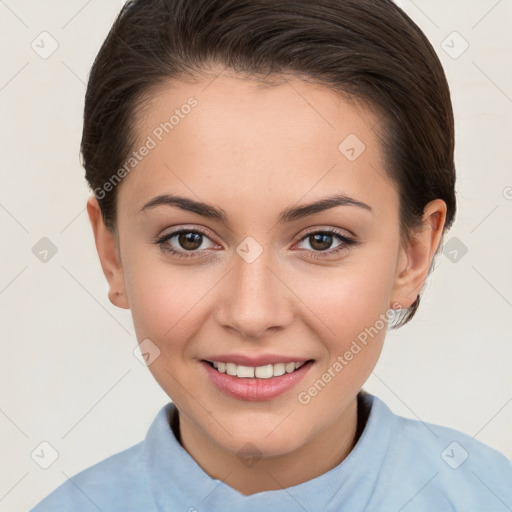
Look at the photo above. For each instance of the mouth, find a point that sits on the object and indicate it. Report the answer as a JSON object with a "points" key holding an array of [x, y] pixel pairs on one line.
{"points": [[267, 371], [255, 383]]}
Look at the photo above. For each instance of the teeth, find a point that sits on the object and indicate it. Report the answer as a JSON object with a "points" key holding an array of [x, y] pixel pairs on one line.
{"points": [[264, 372], [231, 368], [259, 372], [279, 369], [290, 367], [244, 371]]}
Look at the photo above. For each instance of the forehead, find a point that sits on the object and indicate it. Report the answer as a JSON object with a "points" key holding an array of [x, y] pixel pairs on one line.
{"points": [[241, 138]]}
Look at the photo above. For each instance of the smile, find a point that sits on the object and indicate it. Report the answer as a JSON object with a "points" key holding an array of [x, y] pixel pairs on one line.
{"points": [[255, 383], [259, 372]]}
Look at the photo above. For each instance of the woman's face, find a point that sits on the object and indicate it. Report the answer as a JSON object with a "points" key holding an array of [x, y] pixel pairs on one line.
{"points": [[263, 278]]}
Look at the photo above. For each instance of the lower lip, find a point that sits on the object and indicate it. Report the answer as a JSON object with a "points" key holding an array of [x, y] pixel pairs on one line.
{"points": [[255, 389]]}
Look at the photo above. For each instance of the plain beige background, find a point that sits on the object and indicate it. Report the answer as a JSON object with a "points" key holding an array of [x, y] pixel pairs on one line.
{"points": [[70, 376]]}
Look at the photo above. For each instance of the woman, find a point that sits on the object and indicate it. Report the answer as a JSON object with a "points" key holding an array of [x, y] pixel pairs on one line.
{"points": [[271, 183]]}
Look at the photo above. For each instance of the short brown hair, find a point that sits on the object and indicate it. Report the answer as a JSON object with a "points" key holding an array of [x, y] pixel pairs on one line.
{"points": [[369, 50]]}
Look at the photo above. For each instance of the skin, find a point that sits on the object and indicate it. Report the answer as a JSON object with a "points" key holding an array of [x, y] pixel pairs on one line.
{"points": [[254, 151]]}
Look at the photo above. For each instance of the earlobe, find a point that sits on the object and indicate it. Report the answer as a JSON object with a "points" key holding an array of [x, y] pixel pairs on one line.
{"points": [[416, 259], [108, 253]]}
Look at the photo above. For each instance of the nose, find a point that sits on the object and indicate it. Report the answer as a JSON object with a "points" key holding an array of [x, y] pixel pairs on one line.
{"points": [[255, 297]]}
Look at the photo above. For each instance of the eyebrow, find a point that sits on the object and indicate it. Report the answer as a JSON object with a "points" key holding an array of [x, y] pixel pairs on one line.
{"points": [[287, 215]]}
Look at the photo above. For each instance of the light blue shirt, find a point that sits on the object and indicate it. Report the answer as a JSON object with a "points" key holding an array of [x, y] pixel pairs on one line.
{"points": [[397, 465]]}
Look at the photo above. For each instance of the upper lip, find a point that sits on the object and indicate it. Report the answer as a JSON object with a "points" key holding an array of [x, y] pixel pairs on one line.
{"points": [[255, 361]]}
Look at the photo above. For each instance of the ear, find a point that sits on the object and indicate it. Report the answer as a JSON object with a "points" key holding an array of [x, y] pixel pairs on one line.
{"points": [[108, 252], [416, 258]]}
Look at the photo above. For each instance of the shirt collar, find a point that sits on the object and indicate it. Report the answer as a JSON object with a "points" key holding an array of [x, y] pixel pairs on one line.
{"points": [[177, 480]]}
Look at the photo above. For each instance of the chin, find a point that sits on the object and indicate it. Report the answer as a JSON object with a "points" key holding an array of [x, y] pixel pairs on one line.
{"points": [[263, 442]]}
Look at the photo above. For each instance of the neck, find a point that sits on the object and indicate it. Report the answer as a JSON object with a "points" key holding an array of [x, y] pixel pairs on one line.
{"points": [[314, 458]]}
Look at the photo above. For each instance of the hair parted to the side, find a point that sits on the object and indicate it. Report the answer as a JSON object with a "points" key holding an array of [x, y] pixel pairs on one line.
{"points": [[366, 50]]}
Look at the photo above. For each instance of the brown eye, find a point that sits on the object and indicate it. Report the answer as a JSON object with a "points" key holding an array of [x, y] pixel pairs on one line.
{"points": [[184, 243], [190, 241], [321, 242]]}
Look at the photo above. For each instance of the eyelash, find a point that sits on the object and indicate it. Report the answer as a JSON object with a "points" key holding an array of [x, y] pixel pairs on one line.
{"points": [[347, 243]]}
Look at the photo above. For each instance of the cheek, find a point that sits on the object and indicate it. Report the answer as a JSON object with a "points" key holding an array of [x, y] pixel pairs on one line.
{"points": [[350, 306], [152, 298], [349, 299], [165, 304], [165, 300]]}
